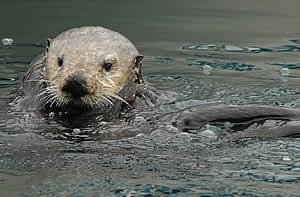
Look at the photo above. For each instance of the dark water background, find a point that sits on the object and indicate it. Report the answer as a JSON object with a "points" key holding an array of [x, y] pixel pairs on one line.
{"points": [[245, 42]]}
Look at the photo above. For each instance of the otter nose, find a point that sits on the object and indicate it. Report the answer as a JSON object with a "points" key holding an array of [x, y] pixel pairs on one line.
{"points": [[76, 86]]}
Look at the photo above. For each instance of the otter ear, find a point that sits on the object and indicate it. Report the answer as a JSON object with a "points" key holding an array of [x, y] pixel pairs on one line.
{"points": [[48, 44], [138, 59], [138, 69]]}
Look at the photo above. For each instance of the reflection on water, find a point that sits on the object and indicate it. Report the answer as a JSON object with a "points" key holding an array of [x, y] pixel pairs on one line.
{"points": [[242, 44]]}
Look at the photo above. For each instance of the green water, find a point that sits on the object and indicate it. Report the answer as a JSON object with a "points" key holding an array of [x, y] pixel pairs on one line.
{"points": [[245, 43]]}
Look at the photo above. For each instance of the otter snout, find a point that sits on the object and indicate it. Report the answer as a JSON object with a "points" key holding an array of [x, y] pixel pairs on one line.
{"points": [[75, 86]]}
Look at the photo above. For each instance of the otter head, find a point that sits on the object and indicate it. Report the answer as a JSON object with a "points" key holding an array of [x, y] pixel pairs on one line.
{"points": [[88, 67]]}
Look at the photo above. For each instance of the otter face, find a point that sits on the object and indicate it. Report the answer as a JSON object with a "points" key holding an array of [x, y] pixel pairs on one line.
{"points": [[87, 74]]}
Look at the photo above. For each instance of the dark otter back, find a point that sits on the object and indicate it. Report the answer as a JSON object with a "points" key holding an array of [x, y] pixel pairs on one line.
{"points": [[252, 120]]}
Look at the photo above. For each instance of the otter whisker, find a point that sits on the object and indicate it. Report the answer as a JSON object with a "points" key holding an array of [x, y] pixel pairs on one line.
{"points": [[60, 102], [39, 80], [51, 94], [51, 100], [107, 101], [45, 91], [91, 102], [57, 102], [47, 95], [41, 93], [86, 102], [97, 103], [121, 99]]}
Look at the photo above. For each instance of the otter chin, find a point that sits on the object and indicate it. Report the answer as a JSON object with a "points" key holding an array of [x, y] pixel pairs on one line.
{"points": [[83, 68]]}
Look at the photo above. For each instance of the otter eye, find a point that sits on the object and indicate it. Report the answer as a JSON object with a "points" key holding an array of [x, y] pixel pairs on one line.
{"points": [[60, 61], [107, 66]]}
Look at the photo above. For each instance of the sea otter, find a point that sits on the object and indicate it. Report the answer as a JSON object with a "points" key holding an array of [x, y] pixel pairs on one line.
{"points": [[95, 69]]}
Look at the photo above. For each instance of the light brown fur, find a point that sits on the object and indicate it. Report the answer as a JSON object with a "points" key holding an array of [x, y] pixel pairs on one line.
{"points": [[84, 52]]}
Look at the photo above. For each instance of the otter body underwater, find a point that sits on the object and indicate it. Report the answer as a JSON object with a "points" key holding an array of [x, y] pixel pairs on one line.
{"points": [[93, 69]]}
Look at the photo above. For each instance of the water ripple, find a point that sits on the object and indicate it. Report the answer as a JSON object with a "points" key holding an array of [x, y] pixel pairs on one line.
{"points": [[242, 49]]}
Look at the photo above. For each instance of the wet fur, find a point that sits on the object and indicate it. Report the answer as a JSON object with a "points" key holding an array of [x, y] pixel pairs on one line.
{"points": [[83, 51]]}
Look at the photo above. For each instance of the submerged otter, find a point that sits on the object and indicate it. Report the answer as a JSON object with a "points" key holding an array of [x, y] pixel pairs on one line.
{"points": [[96, 69]]}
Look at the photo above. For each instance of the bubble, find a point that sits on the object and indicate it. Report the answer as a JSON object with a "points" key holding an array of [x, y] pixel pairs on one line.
{"points": [[233, 48], [209, 131], [253, 49], [76, 131], [207, 69], [286, 158], [7, 42], [284, 71]]}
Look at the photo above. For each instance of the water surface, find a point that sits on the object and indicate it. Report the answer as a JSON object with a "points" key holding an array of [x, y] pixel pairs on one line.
{"points": [[246, 43]]}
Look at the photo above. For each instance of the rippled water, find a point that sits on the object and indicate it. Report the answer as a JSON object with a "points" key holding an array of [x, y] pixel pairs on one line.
{"points": [[230, 52]]}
